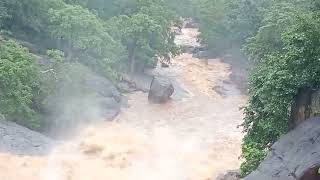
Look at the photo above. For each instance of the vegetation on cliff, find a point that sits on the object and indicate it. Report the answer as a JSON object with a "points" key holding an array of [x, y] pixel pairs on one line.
{"points": [[282, 38]]}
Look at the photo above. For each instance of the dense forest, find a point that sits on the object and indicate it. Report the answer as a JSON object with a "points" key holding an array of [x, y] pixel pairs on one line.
{"points": [[41, 41]]}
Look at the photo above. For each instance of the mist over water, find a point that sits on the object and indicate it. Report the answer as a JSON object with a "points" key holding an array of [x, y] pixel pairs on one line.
{"points": [[194, 138]]}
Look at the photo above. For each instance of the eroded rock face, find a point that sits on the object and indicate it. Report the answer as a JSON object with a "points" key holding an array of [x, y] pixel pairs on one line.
{"points": [[306, 105], [15, 139], [293, 155], [160, 90], [311, 174]]}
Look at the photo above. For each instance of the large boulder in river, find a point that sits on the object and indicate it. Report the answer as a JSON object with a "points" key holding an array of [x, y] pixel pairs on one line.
{"points": [[296, 156], [160, 90]]}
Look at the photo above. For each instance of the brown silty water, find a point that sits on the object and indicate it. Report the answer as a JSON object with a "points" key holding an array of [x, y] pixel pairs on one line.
{"points": [[193, 137]]}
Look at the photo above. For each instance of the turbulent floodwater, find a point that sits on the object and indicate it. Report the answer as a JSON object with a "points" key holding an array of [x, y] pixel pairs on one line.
{"points": [[193, 137]]}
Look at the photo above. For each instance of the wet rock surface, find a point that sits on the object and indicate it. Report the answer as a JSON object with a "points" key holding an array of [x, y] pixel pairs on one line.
{"points": [[293, 155], [102, 86], [161, 89], [19, 140], [89, 98], [306, 105], [108, 95]]}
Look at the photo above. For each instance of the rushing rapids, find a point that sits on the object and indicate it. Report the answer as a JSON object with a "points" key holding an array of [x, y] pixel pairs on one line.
{"points": [[193, 137]]}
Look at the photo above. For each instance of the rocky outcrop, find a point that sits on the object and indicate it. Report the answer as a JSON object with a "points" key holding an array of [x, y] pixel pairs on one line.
{"points": [[306, 105], [107, 94], [160, 90], [312, 174], [293, 156], [15, 139], [79, 98], [102, 86]]}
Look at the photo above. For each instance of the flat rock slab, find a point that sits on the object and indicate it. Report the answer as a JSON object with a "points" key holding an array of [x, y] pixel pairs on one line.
{"points": [[293, 155]]}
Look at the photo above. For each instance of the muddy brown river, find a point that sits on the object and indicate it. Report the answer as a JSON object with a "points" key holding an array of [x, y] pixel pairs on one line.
{"points": [[193, 137]]}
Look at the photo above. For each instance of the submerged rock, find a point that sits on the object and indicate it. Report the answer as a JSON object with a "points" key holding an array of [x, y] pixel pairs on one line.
{"points": [[160, 90], [230, 175], [293, 156]]}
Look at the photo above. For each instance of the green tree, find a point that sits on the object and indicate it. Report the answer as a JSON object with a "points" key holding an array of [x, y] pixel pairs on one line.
{"points": [[279, 18], [145, 34], [225, 24], [19, 83], [82, 30], [213, 26], [136, 33], [3, 13], [84, 38]]}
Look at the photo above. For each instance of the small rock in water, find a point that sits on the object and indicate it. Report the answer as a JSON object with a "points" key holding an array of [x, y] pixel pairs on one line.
{"points": [[160, 90], [23, 163], [230, 175], [164, 65]]}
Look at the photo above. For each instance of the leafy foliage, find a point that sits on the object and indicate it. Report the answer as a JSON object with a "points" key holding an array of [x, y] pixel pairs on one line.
{"points": [[3, 13], [287, 61], [146, 33], [228, 23], [19, 83], [82, 30], [212, 19]]}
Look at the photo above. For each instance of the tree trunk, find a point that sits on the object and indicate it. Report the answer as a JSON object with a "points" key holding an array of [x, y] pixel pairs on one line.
{"points": [[69, 53], [132, 59]]}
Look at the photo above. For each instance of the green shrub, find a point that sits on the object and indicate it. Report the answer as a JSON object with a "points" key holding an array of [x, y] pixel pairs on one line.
{"points": [[19, 82]]}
